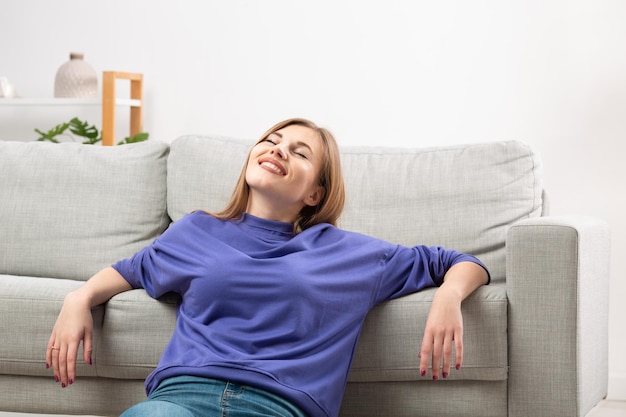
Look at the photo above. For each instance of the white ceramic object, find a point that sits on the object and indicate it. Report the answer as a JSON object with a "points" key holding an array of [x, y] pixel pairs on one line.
{"points": [[6, 88], [76, 78]]}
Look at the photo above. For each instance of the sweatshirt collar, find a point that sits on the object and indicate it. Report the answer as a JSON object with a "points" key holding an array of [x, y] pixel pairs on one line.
{"points": [[272, 227]]}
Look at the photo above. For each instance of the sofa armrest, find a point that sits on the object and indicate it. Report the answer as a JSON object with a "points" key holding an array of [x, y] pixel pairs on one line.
{"points": [[557, 277]]}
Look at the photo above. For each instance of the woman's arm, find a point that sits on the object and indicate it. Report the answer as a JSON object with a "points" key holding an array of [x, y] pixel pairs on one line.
{"points": [[75, 323], [444, 326]]}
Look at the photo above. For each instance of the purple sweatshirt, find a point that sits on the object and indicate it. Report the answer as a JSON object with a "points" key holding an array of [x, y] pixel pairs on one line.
{"points": [[262, 307]]}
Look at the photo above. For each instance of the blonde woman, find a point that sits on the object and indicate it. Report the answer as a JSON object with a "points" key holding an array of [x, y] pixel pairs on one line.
{"points": [[272, 293]]}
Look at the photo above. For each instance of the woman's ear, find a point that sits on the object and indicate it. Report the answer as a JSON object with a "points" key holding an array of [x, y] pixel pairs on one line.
{"points": [[315, 197]]}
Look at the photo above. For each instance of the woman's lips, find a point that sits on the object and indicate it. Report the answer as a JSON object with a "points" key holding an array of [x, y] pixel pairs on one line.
{"points": [[273, 166]]}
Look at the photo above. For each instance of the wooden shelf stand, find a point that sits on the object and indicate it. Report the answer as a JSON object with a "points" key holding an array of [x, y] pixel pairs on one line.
{"points": [[109, 101]]}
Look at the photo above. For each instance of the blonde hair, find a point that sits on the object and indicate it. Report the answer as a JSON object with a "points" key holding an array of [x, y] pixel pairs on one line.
{"points": [[330, 205]]}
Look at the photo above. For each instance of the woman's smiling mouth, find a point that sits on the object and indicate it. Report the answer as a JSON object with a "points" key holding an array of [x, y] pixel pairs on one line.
{"points": [[273, 166]]}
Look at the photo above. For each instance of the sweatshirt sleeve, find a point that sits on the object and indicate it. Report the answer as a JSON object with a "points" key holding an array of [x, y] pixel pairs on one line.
{"points": [[412, 269], [166, 265]]}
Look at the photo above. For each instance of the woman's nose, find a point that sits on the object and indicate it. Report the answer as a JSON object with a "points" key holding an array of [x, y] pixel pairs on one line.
{"points": [[279, 151]]}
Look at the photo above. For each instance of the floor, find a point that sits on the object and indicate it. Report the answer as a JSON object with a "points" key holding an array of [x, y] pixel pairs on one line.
{"points": [[604, 409]]}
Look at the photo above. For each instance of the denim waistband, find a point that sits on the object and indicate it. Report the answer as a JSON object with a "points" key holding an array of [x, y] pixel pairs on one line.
{"points": [[191, 396]]}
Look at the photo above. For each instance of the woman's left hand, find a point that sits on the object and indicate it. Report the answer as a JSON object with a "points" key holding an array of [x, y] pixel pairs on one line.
{"points": [[444, 326], [444, 329]]}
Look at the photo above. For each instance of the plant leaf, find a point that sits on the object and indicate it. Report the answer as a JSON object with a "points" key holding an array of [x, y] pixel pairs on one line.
{"points": [[51, 134], [80, 128], [83, 129], [139, 137]]}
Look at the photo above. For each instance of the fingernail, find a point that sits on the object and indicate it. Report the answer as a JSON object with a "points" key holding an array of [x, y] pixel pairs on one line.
{"points": [[90, 362], [47, 366], [71, 381], [445, 375], [435, 377], [62, 384], [419, 355], [56, 378], [423, 372], [458, 366]]}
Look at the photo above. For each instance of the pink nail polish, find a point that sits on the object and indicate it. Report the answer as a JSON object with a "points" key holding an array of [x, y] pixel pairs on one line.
{"points": [[71, 381], [47, 366], [90, 362], [458, 366], [423, 372], [435, 377], [445, 375], [56, 378], [62, 384]]}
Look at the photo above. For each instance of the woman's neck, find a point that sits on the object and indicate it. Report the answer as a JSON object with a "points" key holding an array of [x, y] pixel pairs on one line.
{"points": [[270, 209]]}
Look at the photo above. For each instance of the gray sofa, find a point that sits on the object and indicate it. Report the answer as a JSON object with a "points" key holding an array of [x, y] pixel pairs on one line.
{"points": [[535, 339]]}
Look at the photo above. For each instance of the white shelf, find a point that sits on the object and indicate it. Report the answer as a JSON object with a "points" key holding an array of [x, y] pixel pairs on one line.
{"points": [[65, 102], [107, 103]]}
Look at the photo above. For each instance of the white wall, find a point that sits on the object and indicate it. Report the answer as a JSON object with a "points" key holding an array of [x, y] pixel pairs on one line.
{"points": [[549, 72]]}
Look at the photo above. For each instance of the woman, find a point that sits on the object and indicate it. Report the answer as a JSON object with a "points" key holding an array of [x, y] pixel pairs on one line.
{"points": [[273, 294]]}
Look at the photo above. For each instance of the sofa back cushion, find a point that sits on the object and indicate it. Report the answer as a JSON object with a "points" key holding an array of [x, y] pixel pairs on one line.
{"points": [[202, 172], [462, 197], [69, 210]]}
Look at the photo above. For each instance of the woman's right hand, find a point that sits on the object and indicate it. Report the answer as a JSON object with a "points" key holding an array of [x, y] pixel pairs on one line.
{"points": [[74, 324]]}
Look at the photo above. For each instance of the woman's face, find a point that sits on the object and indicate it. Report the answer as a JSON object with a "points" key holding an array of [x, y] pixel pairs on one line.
{"points": [[283, 173]]}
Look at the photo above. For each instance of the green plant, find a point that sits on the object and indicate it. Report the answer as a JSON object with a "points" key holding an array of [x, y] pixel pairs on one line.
{"points": [[82, 129]]}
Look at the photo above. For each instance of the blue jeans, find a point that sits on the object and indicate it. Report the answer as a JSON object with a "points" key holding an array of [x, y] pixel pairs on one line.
{"points": [[190, 396]]}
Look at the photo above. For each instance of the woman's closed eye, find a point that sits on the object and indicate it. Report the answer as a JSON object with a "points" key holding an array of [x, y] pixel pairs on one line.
{"points": [[295, 150], [301, 154]]}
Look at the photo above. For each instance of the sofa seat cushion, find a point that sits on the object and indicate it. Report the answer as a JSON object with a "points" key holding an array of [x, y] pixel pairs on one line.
{"points": [[72, 209], [136, 329], [29, 307], [130, 331], [391, 338]]}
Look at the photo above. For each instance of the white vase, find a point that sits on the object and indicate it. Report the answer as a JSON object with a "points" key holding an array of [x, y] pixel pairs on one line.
{"points": [[76, 78], [6, 88]]}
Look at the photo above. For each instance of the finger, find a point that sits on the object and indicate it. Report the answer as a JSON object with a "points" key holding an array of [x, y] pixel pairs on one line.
{"points": [[72, 355], [447, 355], [436, 363], [62, 361], [458, 348], [54, 354], [425, 352], [88, 347], [49, 352]]}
